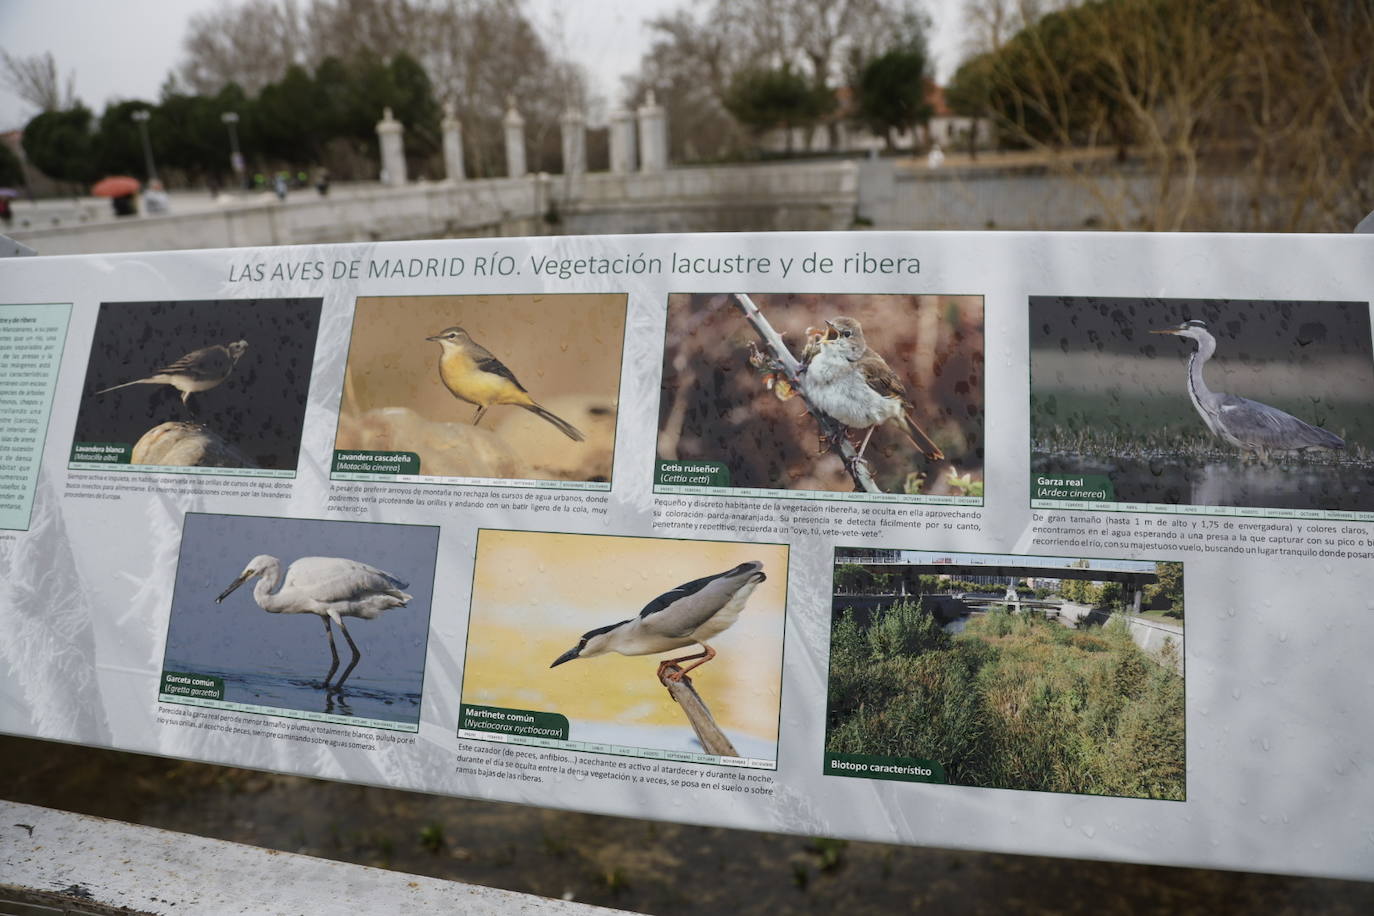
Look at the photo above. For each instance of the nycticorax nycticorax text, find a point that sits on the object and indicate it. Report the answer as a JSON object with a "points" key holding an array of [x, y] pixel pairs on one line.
{"points": [[690, 614], [331, 587], [1248, 425]]}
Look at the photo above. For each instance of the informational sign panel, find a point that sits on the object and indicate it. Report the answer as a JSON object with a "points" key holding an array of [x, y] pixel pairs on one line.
{"points": [[1039, 543]]}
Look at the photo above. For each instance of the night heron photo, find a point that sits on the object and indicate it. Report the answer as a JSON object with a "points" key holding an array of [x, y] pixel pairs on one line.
{"points": [[690, 614]]}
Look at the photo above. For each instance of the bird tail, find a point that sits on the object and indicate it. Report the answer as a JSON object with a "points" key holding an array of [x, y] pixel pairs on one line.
{"points": [[140, 381], [921, 440], [566, 428]]}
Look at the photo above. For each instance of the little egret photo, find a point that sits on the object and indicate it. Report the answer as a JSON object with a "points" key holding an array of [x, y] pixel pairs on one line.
{"points": [[483, 388], [197, 384], [636, 646], [1002, 671], [798, 394], [296, 616], [1237, 405]]}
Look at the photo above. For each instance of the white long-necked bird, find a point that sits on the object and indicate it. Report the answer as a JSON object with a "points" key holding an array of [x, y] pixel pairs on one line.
{"points": [[690, 614], [331, 588]]}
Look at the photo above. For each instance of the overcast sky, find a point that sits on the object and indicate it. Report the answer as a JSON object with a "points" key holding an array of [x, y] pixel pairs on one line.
{"points": [[124, 49]]}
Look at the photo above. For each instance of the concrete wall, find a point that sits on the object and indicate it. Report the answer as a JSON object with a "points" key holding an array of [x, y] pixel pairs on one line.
{"points": [[892, 196], [804, 196]]}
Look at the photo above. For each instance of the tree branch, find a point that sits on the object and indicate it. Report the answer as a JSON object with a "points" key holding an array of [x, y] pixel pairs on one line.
{"points": [[694, 708], [834, 431]]}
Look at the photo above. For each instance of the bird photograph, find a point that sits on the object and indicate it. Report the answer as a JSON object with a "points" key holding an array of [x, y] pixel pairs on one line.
{"points": [[336, 621], [586, 625], [207, 383], [891, 383], [1264, 405], [490, 387]]}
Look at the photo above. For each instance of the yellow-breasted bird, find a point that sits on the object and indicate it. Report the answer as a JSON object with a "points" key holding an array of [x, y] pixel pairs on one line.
{"points": [[472, 374]]}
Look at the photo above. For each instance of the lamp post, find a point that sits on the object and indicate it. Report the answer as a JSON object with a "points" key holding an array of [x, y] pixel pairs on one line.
{"points": [[231, 121], [141, 118]]}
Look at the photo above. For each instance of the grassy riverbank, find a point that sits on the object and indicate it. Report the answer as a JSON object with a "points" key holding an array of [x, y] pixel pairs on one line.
{"points": [[1013, 702]]}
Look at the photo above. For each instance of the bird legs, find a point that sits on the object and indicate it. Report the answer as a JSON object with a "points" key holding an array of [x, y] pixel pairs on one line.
{"points": [[680, 673], [334, 653]]}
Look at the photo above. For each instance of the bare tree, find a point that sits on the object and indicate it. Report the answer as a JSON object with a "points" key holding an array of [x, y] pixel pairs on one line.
{"points": [[251, 45], [35, 80]]}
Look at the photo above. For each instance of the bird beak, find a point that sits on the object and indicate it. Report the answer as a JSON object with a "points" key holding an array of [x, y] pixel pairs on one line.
{"points": [[565, 657], [832, 332], [1173, 331], [237, 582], [435, 337]]}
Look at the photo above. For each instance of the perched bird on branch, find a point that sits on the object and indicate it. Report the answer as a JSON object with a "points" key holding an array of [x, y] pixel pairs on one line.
{"points": [[689, 614], [848, 381], [1248, 425], [199, 370], [471, 373]]}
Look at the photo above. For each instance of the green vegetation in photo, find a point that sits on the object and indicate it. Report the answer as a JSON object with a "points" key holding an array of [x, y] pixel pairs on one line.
{"points": [[1014, 701]]}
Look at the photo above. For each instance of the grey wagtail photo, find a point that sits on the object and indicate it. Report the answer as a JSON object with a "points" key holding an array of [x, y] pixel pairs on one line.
{"points": [[771, 394], [472, 374], [418, 364]]}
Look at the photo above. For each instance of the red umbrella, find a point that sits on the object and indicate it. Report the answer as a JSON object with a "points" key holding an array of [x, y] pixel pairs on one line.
{"points": [[115, 186]]}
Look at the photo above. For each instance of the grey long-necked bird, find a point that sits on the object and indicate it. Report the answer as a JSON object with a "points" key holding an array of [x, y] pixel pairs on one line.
{"points": [[1248, 425], [690, 614]]}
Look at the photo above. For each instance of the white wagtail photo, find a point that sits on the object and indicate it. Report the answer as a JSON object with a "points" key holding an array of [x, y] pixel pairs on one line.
{"points": [[197, 384]]}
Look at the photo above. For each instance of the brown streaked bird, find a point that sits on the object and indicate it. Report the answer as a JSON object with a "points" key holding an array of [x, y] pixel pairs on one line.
{"points": [[471, 373], [848, 381]]}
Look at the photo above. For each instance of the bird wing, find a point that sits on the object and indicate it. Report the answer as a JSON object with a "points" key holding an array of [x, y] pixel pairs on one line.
{"points": [[488, 363], [200, 365], [880, 377], [679, 612], [1268, 427], [330, 579]]}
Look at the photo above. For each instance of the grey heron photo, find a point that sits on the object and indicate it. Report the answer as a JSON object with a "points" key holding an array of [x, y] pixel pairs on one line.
{"points": [[1233, 404]]}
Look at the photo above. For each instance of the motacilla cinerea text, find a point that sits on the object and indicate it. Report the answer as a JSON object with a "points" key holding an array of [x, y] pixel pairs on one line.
{"points": [[472, 374], [199, 370]]}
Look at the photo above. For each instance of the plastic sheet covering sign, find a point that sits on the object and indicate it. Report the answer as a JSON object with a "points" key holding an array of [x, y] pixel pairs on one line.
{"points": [[1040, 543]]}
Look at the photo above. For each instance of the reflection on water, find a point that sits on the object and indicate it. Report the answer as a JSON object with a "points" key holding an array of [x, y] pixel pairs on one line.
{"points": [[1173, 480], [390, 699]]}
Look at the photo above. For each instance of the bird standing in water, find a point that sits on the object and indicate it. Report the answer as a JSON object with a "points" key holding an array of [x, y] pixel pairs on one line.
{"points": [[688, 615], [471, 373], [330, 587], [199, 370], [847, 380], [1248, 425]]}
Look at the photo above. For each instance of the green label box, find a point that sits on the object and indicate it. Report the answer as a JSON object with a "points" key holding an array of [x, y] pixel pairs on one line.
{"points": [[523, 722]]}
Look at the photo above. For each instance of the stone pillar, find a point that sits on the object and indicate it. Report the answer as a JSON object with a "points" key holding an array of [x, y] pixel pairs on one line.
{"points": [[653, 136], [574, 143], [453, 144], [389, 132], [622, 142], [515, 140]]}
